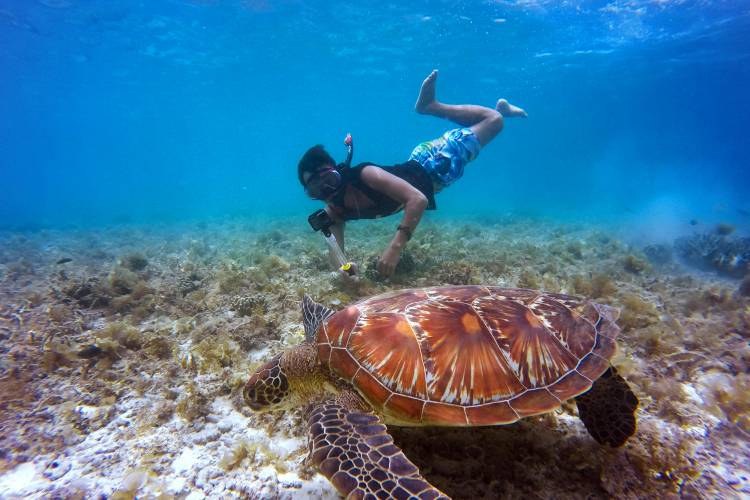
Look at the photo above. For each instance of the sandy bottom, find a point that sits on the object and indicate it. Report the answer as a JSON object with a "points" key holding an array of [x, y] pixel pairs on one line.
{"points": [[123, 352]]}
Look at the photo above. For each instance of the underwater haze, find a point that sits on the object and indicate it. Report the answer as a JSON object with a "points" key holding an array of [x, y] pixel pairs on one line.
{"points": [[174, 110]]}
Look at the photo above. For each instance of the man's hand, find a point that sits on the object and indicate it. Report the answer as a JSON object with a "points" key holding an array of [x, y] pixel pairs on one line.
{"points": [[389, 260], [351, 276]]}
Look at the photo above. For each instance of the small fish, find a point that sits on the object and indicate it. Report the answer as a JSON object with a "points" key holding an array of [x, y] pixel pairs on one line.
{"points": [[743, 211], [64, 260], [694, 222], [90, 351]]}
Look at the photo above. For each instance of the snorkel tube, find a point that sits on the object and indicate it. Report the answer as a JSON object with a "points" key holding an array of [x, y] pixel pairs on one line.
{"points": [[321, 221], [349, 143]]}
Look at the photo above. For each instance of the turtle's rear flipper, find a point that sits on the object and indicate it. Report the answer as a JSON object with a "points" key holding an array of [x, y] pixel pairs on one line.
{"points": [[608, 409], [354, 450]]}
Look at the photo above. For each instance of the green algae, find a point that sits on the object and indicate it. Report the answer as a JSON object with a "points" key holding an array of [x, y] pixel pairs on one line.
{"points": [[122, 281], [56, 354], [248, 453], [634, 265], [250, 305], [230, 278], [459, 272], [734, 401], [122, 334], [134, 262], [674, 328], [597, 286], [529, 279], [159, 345], [273, 265], [213, 354], [193, 404], [636, 312]]}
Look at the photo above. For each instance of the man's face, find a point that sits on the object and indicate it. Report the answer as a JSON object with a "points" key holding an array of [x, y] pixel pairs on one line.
{"points": [[323, 183]]}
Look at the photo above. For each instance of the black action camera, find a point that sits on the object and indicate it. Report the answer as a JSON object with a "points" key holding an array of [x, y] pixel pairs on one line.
{"points": [[321, 221]]}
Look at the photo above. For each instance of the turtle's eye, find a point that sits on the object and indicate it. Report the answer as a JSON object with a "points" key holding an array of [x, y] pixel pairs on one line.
{"points": [[267, 387]]}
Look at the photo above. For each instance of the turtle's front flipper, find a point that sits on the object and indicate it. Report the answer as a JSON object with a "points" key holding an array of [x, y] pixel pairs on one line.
{"points": [[353, 449], [608, 409]]}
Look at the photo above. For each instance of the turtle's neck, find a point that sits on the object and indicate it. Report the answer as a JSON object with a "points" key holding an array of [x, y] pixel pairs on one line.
{"points": [[307, 379]]}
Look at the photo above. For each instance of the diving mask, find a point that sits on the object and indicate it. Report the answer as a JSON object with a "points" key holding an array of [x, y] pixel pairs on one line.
{"points": [[323, 184]]}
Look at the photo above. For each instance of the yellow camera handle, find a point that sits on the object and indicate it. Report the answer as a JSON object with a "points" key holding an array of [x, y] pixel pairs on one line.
{"points": [[347, 268]]}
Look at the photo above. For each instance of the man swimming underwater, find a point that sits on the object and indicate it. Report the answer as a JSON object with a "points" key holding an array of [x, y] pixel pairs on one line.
{"points": [[369, 191]]}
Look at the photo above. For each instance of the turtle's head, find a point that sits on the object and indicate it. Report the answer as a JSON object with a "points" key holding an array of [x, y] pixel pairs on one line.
{"points": [[291, 373], [268, 386]]}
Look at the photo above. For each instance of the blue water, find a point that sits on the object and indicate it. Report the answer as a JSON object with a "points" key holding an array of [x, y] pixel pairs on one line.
{"points": [[170, 110]]}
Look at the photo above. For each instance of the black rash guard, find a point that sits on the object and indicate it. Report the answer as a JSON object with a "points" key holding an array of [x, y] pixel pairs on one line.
{"points": [[382, 205]]}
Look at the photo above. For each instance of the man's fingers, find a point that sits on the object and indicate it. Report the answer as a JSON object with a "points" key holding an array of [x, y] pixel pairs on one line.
{"points": [[385, 269]]}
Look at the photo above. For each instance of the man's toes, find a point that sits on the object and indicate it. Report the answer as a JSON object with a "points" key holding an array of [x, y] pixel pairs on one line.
{"points": [[508, 110], [430, 80], [426, 93]]}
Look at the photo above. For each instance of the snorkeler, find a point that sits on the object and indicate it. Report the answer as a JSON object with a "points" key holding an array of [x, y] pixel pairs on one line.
{"points": [[369, 191]]}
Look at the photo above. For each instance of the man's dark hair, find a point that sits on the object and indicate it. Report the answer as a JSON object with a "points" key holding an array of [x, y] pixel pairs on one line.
{"points": [[312, 160]]}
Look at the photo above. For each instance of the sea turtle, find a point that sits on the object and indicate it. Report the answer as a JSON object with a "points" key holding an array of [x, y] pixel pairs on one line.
{"points": [[445, 356]]}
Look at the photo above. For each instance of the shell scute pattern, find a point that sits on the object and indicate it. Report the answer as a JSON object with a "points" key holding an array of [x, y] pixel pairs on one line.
{"points": [[534, 401], [458, 293], [574, 332], [399, 404], [395, 301], [465, 367], [532, 347], [500, 412], [338, 328], [592, 366], [469, 355], [521, 295], [372, 344]]}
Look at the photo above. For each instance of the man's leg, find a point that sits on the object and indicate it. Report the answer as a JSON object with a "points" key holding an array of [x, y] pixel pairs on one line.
{"points": [[486, 123]]}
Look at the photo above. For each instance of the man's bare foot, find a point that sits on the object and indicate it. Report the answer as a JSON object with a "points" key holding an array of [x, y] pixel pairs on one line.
{"points": [[426, 97], [508, 110]]}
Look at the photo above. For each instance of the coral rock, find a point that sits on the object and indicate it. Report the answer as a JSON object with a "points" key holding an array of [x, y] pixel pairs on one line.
{"points": [[250, 305]]}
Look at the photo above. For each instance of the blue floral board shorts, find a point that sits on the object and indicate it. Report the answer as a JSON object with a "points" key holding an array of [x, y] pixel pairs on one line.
{"points": [[445, 157]]}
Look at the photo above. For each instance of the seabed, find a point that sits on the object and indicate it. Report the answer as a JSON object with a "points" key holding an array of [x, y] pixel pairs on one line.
{"points": [[124, 351]]}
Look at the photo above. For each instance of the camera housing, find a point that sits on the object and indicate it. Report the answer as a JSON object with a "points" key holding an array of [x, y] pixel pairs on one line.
{"points": [[320, 221]]}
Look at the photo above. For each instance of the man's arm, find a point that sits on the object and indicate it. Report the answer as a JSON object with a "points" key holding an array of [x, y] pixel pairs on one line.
{"points": [[414, 202]]}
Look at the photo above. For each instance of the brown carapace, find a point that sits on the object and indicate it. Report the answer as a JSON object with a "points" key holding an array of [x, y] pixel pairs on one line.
{"points": [[447, 356], [470, 355]]}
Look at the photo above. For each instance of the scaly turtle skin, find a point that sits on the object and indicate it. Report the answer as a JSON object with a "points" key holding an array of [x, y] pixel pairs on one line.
{"points": [[447, 356]]}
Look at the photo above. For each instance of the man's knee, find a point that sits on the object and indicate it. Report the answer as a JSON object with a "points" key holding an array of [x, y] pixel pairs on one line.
{"points": [[489, 127], [496, 121]]}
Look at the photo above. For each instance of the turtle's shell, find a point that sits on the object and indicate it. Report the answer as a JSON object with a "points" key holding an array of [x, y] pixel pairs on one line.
{"points": [[470, 355]]}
